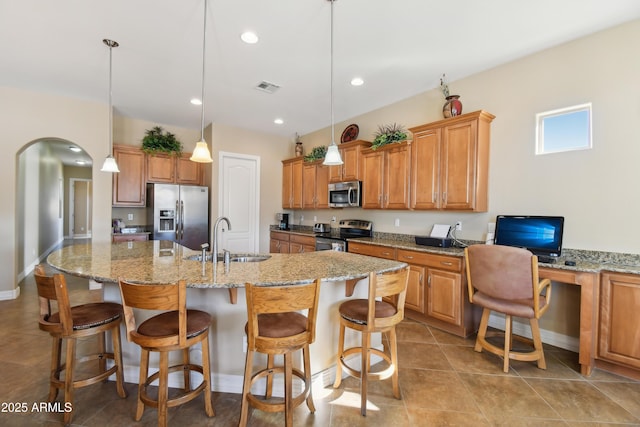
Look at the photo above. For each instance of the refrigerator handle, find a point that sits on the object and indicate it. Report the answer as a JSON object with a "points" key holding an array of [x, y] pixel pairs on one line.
{"points": [[181, 219], [178, 220]]}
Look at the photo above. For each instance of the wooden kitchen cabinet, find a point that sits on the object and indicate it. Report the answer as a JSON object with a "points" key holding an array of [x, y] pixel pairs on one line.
{"points": [[415, 288], [450, 163], [165, 168], [315, 185], [129, 185], [350, 170], [619, 340], [279, 242], [372, 250], [300, 244], [436, 287], [292, 183], [385, 177]]}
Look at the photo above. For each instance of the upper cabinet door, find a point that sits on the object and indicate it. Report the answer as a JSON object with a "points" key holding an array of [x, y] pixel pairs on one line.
{"points": [[459, 166], [188, 172], [129, 187], [161, 168], [425, 170]]}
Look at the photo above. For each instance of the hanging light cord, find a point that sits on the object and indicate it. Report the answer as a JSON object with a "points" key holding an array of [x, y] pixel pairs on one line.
{"points": [[111, 44], [204, 43], [332, 121]]}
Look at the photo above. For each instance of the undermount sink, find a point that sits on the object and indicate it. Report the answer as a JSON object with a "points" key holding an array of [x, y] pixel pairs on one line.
{"points": [[256, 258], [234, 258]]}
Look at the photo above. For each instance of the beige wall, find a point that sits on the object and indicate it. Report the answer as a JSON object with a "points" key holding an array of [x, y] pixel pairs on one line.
{"points": [[594, 189]]}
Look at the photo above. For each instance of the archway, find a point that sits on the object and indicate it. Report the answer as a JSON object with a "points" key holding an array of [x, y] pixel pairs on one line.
{"points": [[44, 169]]}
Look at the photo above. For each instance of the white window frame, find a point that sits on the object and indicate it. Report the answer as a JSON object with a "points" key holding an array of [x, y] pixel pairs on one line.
{"points": [[540, 117]]}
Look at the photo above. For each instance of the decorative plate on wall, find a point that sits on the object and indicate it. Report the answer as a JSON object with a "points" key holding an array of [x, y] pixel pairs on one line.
{"points": [[350, 133]]}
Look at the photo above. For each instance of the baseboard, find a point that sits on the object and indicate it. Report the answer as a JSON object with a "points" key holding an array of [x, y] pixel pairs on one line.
{"points": [[548, 337], [42, 258], [8, 295]]}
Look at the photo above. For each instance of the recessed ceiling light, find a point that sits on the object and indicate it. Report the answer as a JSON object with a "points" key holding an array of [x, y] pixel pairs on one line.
{"points": [[357, 81], [249, 37], [81, 162], [75, 149], [196, 101], [278, 121]]}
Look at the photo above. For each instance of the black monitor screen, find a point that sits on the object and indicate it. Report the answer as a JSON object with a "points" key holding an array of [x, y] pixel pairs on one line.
{"points": [[542, 235]]}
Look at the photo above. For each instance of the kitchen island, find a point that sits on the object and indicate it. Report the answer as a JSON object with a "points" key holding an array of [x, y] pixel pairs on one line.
{"points": [[209, 288]]}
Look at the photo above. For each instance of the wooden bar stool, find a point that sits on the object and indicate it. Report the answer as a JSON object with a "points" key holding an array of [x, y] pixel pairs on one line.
{"points": [[274, 326], [175, 329], [70, 323], [369, 316]]}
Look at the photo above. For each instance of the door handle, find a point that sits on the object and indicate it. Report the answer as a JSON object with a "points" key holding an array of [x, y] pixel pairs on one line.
{"points": [[177, 220]]}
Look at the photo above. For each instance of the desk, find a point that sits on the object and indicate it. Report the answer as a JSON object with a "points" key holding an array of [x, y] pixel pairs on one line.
{"points": [[589, 283]]}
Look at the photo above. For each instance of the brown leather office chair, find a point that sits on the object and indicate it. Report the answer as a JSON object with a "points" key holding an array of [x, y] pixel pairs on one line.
{"points": [[176, 328], [505, 280], [70, 323], [275, 326], [370, 316]]}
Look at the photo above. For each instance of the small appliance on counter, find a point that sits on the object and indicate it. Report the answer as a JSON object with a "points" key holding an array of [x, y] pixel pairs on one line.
{"points": [[321, 228], [283, 221], [117, 224]]}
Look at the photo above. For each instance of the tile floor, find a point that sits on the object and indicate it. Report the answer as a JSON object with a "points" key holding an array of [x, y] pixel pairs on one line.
{"points": [[443, 383]]}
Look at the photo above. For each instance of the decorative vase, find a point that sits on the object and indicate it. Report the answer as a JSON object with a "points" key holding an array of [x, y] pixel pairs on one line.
{"points": [[453, 106], [298, 149]]}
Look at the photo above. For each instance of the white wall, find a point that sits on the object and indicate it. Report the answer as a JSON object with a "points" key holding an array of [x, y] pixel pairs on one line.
{"points": [[595, 190]]}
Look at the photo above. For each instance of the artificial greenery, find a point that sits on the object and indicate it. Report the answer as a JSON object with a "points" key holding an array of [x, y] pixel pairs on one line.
{"points": [[156, 140], [316, 153], [389, 134]]}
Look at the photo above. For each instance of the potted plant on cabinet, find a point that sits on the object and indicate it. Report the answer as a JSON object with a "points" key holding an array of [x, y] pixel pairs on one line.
{"points": [[156, 140], [316, 153], [389, 134]]}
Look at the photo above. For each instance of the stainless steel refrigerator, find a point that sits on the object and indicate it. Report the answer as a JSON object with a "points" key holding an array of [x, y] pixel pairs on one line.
{"points": [[179, 213]]}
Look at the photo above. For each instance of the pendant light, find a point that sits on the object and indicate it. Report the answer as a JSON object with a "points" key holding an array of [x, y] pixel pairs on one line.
{"points": [[201, 153], [110, 164], [332, 157]]}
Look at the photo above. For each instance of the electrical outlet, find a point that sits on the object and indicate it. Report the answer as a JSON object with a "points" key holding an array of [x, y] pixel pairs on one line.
{"points": [[333, 219], [459, 226], [397, 222], [315, 219], [301, 218], [130, 217]]}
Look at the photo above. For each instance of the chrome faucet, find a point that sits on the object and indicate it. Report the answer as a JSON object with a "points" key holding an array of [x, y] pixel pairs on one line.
{"points": [[214, 255]]}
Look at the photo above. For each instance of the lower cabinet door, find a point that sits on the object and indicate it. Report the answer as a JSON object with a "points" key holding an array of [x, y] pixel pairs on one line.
{"points": [[619, 319], [444, 296], [415, 288]]}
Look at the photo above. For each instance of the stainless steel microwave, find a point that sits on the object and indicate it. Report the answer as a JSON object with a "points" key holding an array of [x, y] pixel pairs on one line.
{"points": [[345, 194]]}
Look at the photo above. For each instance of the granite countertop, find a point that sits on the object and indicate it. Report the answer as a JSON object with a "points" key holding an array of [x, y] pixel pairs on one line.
{"points": [[158, 261], [586, 260]]}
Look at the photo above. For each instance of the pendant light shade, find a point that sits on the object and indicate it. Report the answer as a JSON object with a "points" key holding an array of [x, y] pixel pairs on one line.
{"points": [[332, 157], [110, 164], [201, 153]]}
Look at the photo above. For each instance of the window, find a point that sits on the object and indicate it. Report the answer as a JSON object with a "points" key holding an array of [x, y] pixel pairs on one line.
{"points": [[566, 129]]}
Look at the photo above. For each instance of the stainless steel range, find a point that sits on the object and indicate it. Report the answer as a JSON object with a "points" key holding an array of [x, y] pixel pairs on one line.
{"points": [[348, 229]]}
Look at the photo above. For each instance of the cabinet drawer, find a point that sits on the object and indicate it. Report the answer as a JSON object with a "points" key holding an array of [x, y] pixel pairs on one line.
{"points": [[372, 250], [441, 262], [303, 240], [280, 235]]}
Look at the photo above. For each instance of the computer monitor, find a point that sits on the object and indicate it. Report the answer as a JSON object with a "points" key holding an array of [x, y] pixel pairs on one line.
{"points": [[542, 235]]}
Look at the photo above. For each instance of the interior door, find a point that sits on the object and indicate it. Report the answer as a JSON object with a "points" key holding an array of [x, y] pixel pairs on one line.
{"points": [[239, 200]]}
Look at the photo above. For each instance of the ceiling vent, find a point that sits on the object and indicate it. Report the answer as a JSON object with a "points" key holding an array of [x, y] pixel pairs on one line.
{"points": [[267, 87]]}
